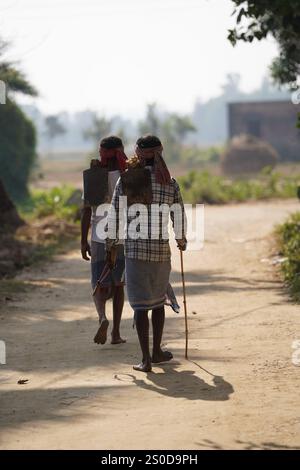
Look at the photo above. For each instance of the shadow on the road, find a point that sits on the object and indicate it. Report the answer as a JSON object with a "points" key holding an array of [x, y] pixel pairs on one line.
{"points": [[42, 333], [242, 314], [75, 350], [207, 281], [184, 384], [217, 276], [68, 403], [50, 403], [246, 445]]}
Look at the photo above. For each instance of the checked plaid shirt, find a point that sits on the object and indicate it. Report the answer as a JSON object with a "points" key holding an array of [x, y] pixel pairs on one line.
{"points": [[145, 227]]}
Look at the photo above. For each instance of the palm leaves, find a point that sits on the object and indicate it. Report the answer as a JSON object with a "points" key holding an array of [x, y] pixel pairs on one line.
{"points": [[17, 137], [13, 78]]}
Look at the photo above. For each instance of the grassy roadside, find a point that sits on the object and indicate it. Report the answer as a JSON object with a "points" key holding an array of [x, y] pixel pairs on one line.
{"points": [[24, 251], [288, 240], [51, 227], [204, 187]]}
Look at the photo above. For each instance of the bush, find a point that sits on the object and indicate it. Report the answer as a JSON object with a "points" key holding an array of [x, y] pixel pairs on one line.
{"points": [[203, 187], [55, 201], [288, 235], [197, 155], [17, 150], [247, 154]]}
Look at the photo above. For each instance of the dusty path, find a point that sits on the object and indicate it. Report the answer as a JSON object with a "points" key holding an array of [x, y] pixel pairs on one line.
{"points": [[80, 395]]}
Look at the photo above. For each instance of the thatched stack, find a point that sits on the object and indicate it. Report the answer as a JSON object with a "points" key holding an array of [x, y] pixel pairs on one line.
{"points": [[248, 154]]}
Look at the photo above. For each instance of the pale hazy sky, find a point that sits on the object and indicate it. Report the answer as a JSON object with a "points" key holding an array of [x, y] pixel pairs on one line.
{"points": [[115, 56]]}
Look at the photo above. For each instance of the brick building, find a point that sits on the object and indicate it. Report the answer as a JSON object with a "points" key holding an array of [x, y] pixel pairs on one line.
{"points": [[272, 121]]}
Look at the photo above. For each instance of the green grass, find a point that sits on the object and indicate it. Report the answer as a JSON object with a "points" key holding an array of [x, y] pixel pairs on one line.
{"points": [[204, 187], [52, 202], [193, 155], [12, 286], [288, 237], [45, 251], [51, 227]]}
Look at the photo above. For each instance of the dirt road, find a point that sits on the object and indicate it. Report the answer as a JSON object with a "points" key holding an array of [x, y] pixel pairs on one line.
{"points": [[80, 395]]}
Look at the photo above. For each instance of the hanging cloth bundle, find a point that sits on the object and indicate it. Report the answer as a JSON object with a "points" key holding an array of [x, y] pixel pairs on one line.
{"points": [[136, 185]]}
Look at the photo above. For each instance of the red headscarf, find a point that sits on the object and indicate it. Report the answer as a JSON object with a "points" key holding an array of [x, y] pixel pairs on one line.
{"points": [[106, 154], [161, 171]]}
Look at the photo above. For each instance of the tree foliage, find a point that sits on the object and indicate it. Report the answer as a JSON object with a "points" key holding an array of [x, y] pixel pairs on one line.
{"points": [[288, 238], [171, 128], [17, 149], [13, 78], [53, 127], [256, 19], [17, 137], [102, 127]]}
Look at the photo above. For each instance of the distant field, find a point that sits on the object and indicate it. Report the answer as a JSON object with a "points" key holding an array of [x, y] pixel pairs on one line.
{"points": [[288, 168], [66, 168]]}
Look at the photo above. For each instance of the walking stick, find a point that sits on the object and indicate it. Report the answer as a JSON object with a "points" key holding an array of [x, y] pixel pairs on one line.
{"points": [[184, 304]]}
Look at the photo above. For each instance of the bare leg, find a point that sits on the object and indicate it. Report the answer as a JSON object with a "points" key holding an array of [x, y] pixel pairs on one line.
{"points": [[118, 303], [158, 321], [100, 298], [142, 327]]}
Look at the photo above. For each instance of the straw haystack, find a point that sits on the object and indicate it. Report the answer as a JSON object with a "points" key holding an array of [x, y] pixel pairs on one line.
{"points": [[248, 154]]}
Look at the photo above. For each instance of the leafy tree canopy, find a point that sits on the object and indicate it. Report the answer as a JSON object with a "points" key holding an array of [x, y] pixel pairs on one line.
{"points": [[256, 19], [53, 127], [17, 137], [13, 78], [171, 128]]}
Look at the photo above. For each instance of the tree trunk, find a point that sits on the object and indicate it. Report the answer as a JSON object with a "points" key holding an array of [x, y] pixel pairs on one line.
{"points": [[9, 216]]}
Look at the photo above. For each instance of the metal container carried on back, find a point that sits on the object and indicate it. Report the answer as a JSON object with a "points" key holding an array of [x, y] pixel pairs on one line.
{"points": [[95, 184]]}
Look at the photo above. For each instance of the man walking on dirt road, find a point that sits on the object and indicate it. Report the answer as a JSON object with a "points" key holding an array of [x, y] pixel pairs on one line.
{"points": [[113, 158]]}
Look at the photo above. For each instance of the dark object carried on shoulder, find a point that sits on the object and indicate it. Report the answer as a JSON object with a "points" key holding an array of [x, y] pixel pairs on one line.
{"points": [[136, 185], [95, 184]]}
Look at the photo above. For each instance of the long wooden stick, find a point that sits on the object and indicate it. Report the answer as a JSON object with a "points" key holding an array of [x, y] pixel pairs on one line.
{"points": [[184, 304]]}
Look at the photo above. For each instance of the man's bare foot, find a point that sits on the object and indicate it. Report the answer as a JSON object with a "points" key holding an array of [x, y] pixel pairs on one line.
{"points": [[144, 366], [116, 339], [161, 356], [101, 335]]}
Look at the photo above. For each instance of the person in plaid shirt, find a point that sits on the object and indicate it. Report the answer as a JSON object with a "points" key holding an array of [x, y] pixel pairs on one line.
{"points": [[146, 244]]}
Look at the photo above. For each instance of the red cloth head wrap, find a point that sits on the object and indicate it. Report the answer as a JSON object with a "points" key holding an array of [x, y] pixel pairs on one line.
{"points": [[161, 171], [106, 154]]}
